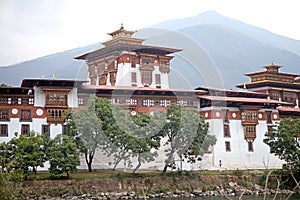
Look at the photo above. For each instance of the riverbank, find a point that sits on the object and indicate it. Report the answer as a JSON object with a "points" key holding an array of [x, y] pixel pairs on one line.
{"points": [[141, 186]]}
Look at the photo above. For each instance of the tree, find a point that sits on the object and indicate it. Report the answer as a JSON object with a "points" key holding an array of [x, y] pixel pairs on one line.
{"points": [[63, 155], [28, 151], [147, 138], [86, 128], [185, 133], [5, 156], [284, 141], [131, 136]]}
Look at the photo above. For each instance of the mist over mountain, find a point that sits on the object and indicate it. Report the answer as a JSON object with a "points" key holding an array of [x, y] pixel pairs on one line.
{"points": [[216, 52]]}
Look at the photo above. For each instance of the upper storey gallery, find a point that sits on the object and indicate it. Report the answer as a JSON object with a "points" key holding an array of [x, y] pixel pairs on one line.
{"points": [[125, 61]]}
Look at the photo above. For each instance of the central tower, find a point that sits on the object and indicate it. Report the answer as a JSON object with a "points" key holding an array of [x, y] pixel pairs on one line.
{"points": [[125, 61]]}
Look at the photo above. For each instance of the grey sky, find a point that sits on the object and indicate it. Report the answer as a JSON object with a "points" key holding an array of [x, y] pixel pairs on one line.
{"points": [[34, 28]]}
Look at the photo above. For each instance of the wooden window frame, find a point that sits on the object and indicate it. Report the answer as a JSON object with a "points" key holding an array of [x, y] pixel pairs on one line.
{"points": [[227, 146], [250, 146], [3, 130], [25, 129], [5, 116], [227, 130], [22, 114], [44, 128]]}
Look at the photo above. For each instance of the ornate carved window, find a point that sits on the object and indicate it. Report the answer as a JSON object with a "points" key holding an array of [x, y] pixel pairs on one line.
{"points": [[3, 130], [250, 116], [55, 115], [102, 80], [146, 77], [56, 99], [250, 132], [4, 115], [25, 116], [249, 122]]}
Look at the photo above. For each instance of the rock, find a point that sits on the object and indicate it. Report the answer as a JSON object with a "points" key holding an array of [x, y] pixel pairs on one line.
{"points": [[232, 184], [197, 192]]}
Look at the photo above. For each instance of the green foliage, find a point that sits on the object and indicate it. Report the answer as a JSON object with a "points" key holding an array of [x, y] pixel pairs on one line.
{"points": [[185, 132], [85, 127], [6, 187], [5, 156], [237, 172], [63, 155], [129, 136], [26, 152], [284, 141]]}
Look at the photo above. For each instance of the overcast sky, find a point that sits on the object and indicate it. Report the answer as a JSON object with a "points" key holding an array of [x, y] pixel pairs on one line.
{"points": [[34, 28]]}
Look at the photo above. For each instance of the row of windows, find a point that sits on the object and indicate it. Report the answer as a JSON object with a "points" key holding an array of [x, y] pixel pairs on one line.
{"points": [[151, 102], [25, 115], [146, 78], [228, 146], [16, 101], [25, 129]]}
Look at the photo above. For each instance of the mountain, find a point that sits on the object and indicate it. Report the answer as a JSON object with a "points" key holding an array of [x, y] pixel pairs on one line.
{"points": [[212, 17], [216, 52]]}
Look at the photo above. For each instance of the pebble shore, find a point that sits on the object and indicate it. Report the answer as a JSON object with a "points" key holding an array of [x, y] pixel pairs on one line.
{"points": [[175, 194]]}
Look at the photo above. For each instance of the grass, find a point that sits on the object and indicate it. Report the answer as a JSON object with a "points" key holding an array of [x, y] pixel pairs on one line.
{"points": [[108, 173]]}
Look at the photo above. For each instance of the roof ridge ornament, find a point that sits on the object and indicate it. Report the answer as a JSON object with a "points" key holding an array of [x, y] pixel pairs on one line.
{"points": [[121, 32]]}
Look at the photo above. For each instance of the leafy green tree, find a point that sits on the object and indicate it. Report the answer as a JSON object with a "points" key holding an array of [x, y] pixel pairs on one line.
{"points": [[5, 156], [284, 141], [130, 137], [146, 131], [86, 128], [185, 133], [63, 155], [28, 151]]}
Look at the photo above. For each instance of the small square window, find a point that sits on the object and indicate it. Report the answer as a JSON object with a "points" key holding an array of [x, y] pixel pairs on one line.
{"points": [[31, 101], [80, 101]]}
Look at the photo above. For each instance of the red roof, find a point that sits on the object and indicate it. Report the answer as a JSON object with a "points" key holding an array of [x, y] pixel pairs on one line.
{"points": [[288, 109], [106, 87], [243, 99]]}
